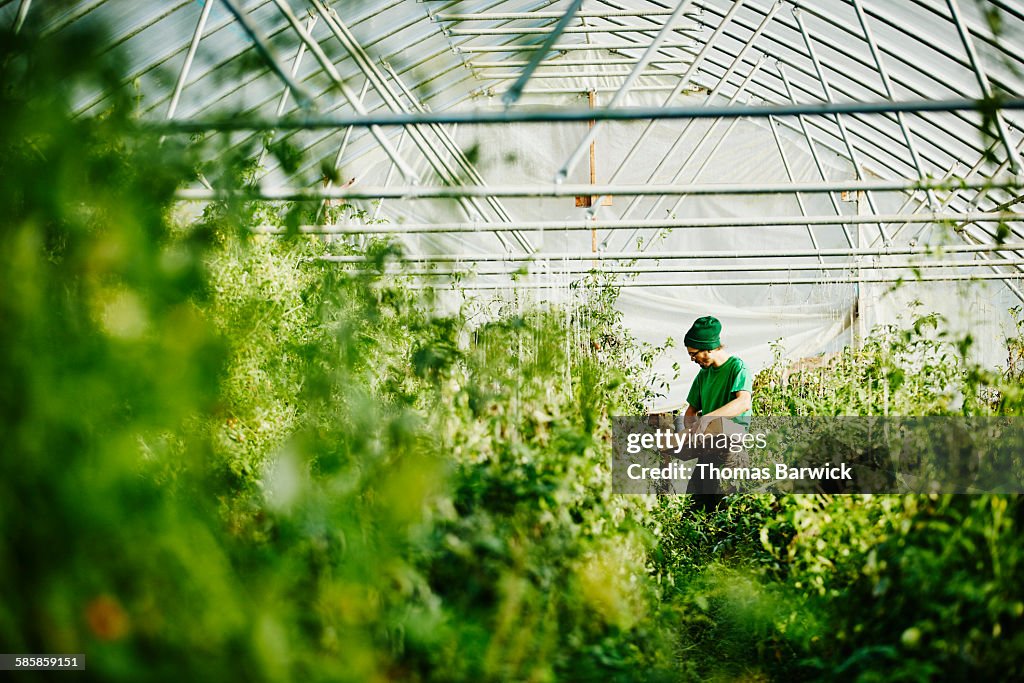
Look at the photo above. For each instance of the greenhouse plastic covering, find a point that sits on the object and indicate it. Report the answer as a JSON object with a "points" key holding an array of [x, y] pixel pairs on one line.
{"points": [[204, 63]]}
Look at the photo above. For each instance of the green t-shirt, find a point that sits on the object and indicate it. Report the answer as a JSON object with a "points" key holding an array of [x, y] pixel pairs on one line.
{"points": [[714, 387]]}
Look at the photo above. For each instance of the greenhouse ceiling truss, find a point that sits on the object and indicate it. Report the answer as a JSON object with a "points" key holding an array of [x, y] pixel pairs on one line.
{"points": [[840, 76]]}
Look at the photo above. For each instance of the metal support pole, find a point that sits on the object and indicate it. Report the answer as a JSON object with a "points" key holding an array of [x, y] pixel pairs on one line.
{"points": [[986, 89], [1001, 168], [994, 264], [560, 47], [853, 56], [813, 148], [696, 255], [911, 60], [579, 90], [571, 73], [283, 102], [954, 193], [189, 57], [467, 166], [674, 223], [165, 57], [377, 79], [338, 81], [495, 16], [449, 143], [887, 86], [416, 192], [789, 174], [973, 203], [341, 153], [391, 171], [912, 57], [613, 61], [648, 55], [683, 82], [981, 277], [707, 134], [516, 90], [704, 138], [657, 202], [19, 19], [301, 96], [582, 114], [216, 28], [656, 113], [715, 269], [296, 64], [541, 30], [827, 90]]}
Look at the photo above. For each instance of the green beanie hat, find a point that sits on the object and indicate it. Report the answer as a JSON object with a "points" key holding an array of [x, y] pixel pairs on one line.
{"points": [[704, 333]]}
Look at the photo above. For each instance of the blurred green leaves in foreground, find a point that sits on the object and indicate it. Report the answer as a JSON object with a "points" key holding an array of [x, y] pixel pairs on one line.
{"points": [[226, 459]]}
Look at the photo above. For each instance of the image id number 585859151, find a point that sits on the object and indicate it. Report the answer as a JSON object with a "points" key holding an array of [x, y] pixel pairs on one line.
{"points": [[17, 662]]}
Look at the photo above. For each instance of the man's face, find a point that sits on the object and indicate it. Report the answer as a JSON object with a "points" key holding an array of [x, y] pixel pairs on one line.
{"points": [[701, 357]]}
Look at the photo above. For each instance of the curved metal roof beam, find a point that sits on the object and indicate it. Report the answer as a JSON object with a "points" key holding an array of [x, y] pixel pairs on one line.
{"points": [[179, 85], [167, 56], [814, 122], [401, 72], [867, 86], [684, 80], [516, 90], [975, 33], [394, 102], [120, 39], [303, 98], [929, 43], [945, 129], [800, 68], [776, 91], [623, 90], [867, 122], [570, 190], [840, 122], [983, 84], [284, 27], [887, 85], [216, 28]]}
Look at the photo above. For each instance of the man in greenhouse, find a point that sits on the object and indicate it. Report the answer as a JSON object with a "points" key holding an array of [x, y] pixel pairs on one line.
{"points": [[721, 390]]}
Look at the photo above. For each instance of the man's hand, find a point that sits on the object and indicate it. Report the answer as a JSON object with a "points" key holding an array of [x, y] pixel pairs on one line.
{"points": [[699, 425]]}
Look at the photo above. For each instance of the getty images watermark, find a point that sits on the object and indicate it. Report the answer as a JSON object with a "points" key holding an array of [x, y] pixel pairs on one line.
{"points": [[680, 444], [820, 455]]}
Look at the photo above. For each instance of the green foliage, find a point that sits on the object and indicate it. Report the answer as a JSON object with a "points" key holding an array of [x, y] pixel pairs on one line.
{"points": [[105, 358], [919, 369], [864, 588], [229, 458]]}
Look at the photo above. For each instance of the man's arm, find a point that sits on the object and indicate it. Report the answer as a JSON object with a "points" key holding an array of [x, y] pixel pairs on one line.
{"points": [[690, 416], [740, 404]]}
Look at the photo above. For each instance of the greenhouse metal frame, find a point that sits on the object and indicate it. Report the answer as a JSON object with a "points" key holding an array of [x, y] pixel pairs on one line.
{"points": [[917, 99]]}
